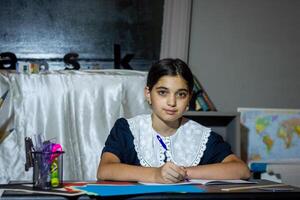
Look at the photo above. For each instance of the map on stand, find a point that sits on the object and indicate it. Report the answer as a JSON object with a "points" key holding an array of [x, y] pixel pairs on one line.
{"points": [[273, 134]]}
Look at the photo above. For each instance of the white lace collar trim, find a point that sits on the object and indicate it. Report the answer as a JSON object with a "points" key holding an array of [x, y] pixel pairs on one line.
{"points": [[185, 147]]}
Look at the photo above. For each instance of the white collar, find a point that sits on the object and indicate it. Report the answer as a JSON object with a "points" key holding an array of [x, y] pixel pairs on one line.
{"points": [[186, 146]]}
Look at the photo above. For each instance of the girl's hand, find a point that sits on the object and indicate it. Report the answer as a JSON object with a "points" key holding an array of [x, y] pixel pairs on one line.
{"points": [[170, 173]]}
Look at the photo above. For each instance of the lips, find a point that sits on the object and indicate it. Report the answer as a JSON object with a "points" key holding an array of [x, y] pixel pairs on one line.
{"points": [[170, 112]]}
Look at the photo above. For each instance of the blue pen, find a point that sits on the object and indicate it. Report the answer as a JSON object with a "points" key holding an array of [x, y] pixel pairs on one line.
{"points": [[163, 145]]}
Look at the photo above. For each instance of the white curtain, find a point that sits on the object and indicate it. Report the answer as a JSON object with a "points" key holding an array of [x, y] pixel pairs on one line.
{"points": [[77, 108], [176, 29]]}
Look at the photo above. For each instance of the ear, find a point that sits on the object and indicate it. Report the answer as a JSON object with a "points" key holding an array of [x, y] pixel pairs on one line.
{"points": [[147, 94]]}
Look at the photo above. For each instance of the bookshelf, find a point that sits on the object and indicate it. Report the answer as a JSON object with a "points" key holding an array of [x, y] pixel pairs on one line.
{"points": [[225, 124]]}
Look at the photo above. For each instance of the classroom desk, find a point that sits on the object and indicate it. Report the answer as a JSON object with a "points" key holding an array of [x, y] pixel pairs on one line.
{"points": [[212, 192]]}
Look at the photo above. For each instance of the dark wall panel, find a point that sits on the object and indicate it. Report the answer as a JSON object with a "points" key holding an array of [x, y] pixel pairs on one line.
{"points": [[51, 28]]}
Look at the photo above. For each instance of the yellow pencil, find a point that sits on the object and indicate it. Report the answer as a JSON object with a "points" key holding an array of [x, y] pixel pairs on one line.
{"points": [[252, 187]]}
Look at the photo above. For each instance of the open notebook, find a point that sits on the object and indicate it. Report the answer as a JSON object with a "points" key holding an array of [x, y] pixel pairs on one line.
{"points": [[205, 182]]}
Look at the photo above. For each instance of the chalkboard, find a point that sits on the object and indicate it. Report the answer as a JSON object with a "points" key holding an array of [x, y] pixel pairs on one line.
{"points": [[46, 29]]}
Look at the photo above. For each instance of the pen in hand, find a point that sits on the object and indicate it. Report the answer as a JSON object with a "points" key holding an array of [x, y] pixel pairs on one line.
{"points": [[185, 179], [164, 146], [180, 178]]}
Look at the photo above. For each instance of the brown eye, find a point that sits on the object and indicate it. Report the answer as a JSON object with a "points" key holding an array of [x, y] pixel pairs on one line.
{"points": [[182, 95], [162, 93]]}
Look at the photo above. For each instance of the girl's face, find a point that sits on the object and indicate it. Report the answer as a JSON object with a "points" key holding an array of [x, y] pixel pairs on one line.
{"points": [[169, 98]]}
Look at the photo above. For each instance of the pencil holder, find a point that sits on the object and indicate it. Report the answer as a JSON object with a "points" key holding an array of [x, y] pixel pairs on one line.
{"points": [[47, 169]]}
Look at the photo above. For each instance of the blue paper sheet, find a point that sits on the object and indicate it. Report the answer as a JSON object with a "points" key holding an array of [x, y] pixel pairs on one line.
{"points": [[113, 190]]}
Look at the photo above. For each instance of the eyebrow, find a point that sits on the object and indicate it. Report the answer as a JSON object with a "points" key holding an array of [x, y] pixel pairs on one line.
{"points": [[164, 88], [185, 90], [161, 87]]}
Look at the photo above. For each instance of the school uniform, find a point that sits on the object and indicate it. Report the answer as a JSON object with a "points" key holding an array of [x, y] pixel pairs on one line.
{"points": [[135, 142]]}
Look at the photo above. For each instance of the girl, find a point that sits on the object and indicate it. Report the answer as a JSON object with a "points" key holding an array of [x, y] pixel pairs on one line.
{"points": [[165, 147]]}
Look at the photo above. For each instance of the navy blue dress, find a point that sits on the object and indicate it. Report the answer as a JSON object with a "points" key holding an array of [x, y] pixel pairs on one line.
{"points": [[120, 143]]}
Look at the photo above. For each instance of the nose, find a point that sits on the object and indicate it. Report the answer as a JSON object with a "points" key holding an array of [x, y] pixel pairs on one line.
{"points": [[171, 101]]}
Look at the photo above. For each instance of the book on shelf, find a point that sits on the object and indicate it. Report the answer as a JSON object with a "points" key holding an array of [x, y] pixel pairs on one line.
{"points": [[200, 100]]}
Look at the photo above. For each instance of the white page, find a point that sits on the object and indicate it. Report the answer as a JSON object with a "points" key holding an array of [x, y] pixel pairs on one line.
{"points": [[180, 183], [205, 182], [220, 182]]}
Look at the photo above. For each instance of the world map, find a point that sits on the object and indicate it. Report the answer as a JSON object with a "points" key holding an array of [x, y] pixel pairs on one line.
{"points": [[273, 134]]}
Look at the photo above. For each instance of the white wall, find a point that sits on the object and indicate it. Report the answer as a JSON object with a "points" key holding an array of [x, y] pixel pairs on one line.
{"points": [[246, 53]]}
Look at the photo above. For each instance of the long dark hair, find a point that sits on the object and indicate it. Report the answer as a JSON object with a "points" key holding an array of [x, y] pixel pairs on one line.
{"points": [[171, 67]]}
